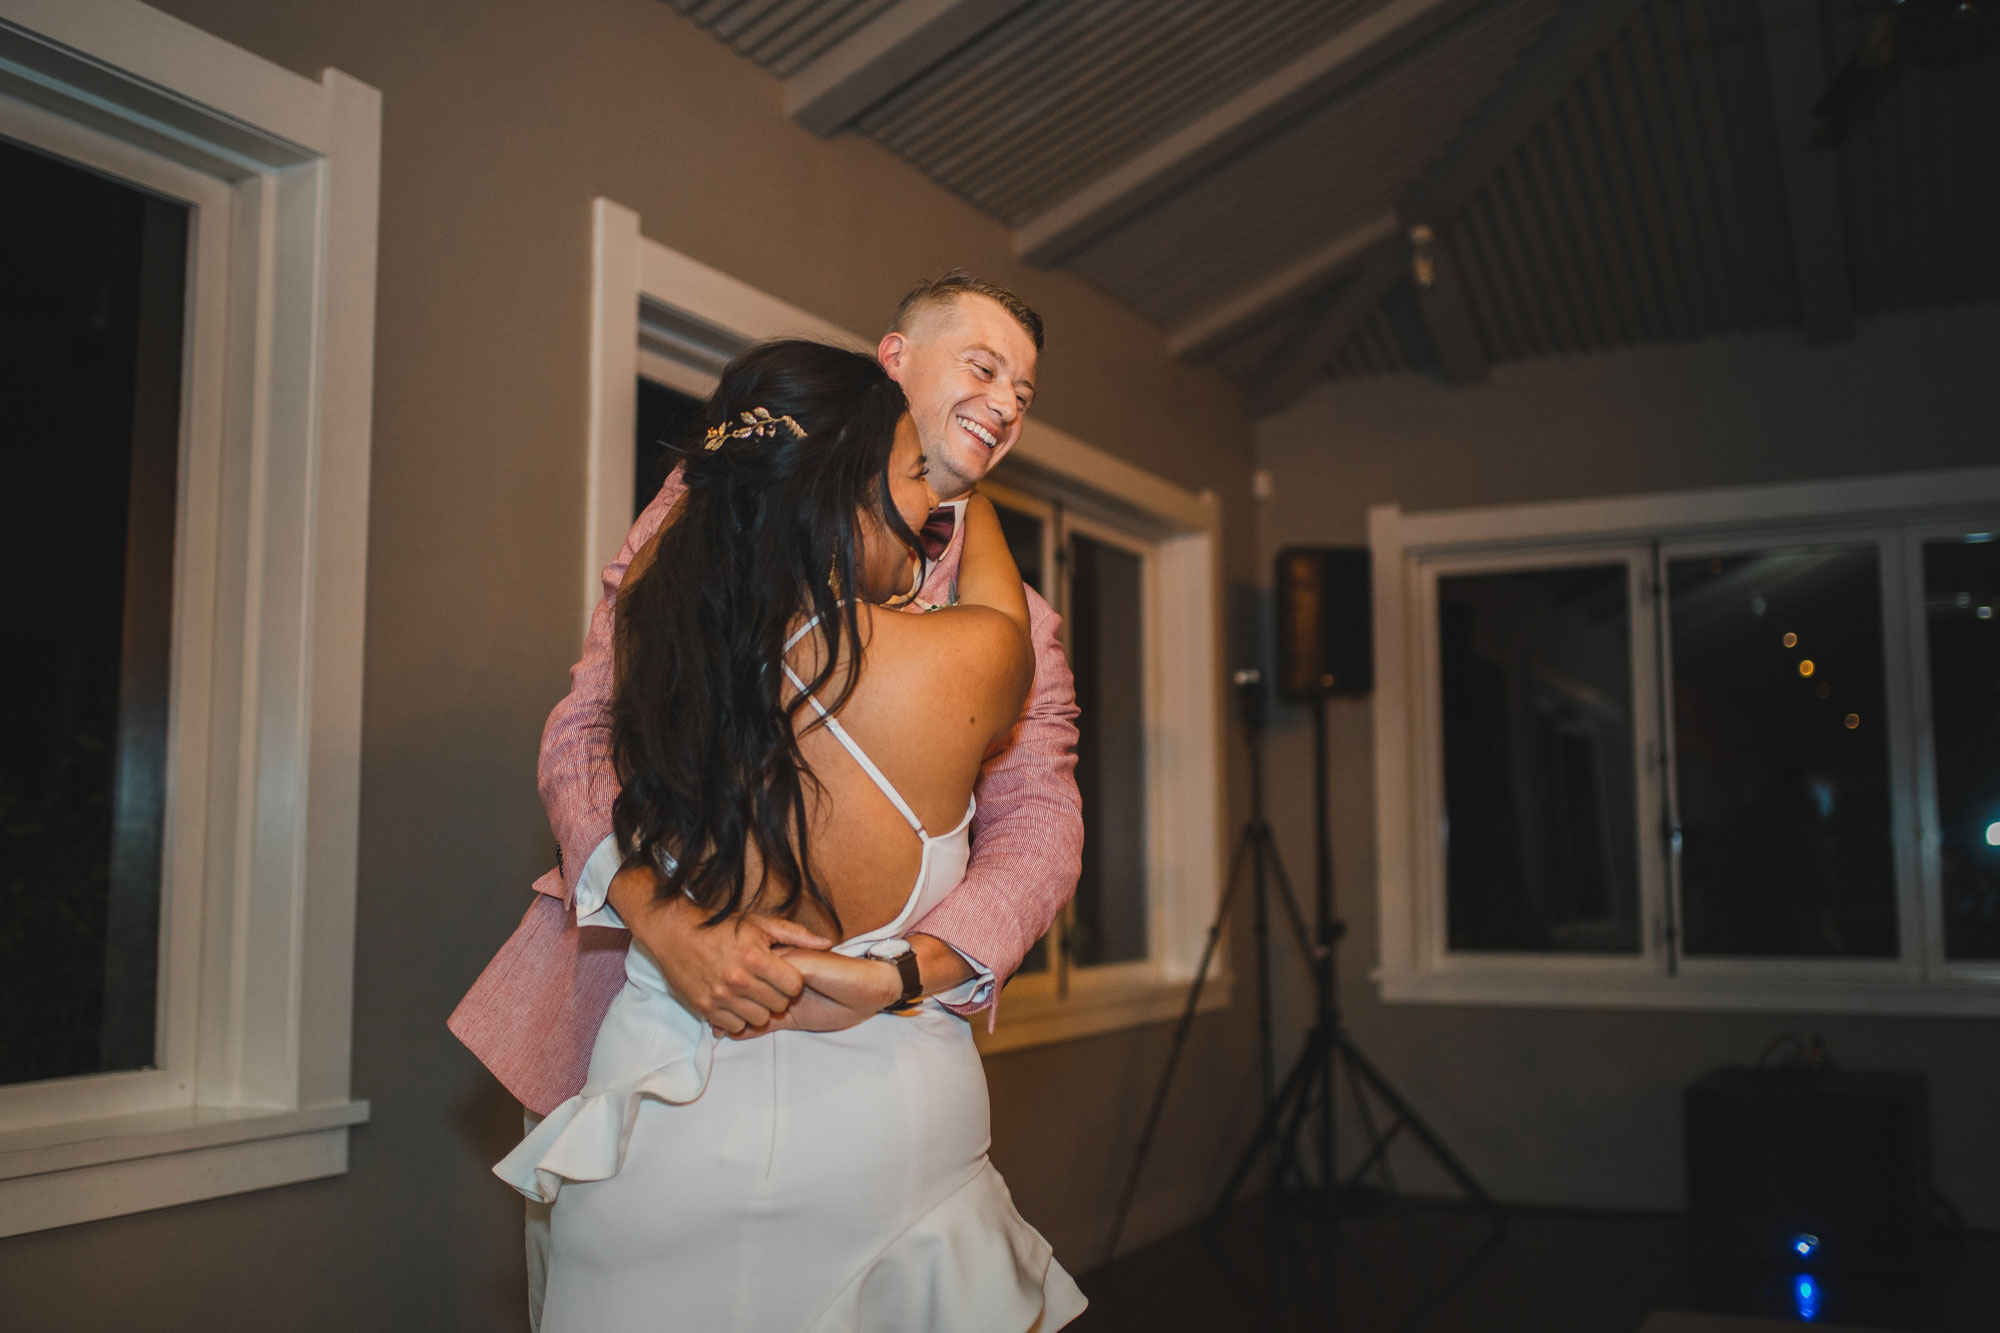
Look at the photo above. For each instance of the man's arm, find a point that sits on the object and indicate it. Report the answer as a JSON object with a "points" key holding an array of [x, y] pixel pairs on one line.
{"points": [[1027, 838], [727, 974]]}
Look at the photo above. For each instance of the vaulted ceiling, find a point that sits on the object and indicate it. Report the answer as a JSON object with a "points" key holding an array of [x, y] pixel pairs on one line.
{"points": [[1303, 189]]}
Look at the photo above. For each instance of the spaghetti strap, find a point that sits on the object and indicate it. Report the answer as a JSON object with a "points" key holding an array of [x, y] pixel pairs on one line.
{"points": [[847, 742]]}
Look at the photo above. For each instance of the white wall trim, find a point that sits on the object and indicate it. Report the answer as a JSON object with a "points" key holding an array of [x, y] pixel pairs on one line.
{"points": [[140, 1164], [1043, 1020], [270, 587]]}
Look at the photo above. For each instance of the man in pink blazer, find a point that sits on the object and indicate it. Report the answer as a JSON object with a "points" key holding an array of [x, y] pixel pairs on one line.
{"points": [[965, 353]]}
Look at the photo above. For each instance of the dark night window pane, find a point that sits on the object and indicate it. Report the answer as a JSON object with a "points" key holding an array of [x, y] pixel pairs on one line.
{"points": [[1024, 541], [92, 283], [664, 415], [1106, 620], [1782, 754], [1962, 615], [1536, 674]]}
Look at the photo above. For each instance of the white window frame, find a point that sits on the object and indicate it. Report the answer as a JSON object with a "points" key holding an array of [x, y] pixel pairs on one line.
{"points": [[1064, 981], [255, 1014], [1410, 551], [659, 313]]}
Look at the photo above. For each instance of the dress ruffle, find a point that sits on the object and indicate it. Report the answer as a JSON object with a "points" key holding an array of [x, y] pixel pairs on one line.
{"points": [[971, 1264], [586, 1137]]}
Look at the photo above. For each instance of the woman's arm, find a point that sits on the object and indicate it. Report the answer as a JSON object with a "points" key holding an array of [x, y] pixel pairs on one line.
{"points": [[987, 574]]}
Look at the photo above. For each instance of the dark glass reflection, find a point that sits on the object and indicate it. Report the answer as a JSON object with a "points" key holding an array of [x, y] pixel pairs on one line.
{"points": [[1536, 674], [1024, 541], [665, 416], [92, 291], [1106, 634], [1962, 614], [1782, 750]]}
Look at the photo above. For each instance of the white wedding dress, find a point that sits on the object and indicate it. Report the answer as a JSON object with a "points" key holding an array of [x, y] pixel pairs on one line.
{"points": [[797, 1181]]}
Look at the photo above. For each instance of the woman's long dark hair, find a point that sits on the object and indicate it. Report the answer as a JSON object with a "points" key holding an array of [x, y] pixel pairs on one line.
{"points": [[770, 529]]}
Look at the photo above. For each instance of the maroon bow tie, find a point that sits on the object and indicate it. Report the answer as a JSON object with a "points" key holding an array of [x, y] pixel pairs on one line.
{"points": [[935, 534]]}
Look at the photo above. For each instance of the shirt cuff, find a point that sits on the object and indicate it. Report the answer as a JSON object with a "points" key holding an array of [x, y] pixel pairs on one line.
{"points": [[593, 887], [974, 990]]}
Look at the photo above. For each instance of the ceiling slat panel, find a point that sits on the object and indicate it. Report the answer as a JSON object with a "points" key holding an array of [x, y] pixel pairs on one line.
{"points": [[1548, 159], [1086, 84], [1691, 266], [1715, 155], [1573, 154], [1336, 168], [1647, 206]]}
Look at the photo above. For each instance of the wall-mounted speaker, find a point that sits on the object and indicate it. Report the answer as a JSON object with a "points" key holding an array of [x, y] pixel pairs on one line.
{"points": [[1325, 641]]}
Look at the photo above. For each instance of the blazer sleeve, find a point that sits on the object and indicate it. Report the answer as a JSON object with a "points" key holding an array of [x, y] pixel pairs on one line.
{"points": [[574, 770], [1027, 837]]}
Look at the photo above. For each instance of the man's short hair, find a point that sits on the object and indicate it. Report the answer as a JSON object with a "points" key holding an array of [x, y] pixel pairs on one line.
{"points": [[944, 291]]}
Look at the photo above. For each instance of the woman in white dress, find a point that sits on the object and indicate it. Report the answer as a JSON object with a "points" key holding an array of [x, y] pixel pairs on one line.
{"points": [[787, 745]]}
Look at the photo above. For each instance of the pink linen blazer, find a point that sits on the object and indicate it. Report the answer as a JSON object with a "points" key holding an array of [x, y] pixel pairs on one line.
{"points": [[533, 1015]]}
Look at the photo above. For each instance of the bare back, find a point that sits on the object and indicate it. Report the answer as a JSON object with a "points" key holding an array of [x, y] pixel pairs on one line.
{"points": [[934, 694]]}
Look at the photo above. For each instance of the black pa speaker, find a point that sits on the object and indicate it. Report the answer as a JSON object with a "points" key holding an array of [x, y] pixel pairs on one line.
{"points": [[1324, 641], [1809, 1167]]}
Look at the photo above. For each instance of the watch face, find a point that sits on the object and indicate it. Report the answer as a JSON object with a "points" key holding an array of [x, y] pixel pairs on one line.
{"points": [[889, 950]]}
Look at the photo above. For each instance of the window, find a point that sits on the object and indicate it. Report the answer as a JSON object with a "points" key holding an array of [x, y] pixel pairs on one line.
{"points": [[664, 413], [1738, 749], [187, 319], [1099, 580], [1138, 570], [90, 369]]}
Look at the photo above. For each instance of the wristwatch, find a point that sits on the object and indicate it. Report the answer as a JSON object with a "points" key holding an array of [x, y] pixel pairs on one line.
{"points": [[904, 957]]}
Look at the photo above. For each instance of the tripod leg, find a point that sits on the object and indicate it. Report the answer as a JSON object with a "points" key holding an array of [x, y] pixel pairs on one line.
{"points": [[1289, 901], [1268, 1123], [1367, 1118], [1443, 1155], [1188, 1012], [1288, 1142]]}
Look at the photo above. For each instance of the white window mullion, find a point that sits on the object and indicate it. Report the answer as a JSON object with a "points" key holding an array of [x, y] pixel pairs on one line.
{"points": [[1664, 851], [1916, 938]]}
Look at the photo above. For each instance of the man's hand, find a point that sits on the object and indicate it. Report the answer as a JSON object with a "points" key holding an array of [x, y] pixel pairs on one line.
{"points": [[731, 974]]}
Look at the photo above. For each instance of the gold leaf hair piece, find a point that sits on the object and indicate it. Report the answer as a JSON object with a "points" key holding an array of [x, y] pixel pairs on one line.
{"points": [[756, 422]]}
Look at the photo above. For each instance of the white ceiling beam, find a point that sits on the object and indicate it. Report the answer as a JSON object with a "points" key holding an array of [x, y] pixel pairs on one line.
{"points": [[1795, 54], [1525, 98], [884, 54], [1141, 181], [1201, 335]]}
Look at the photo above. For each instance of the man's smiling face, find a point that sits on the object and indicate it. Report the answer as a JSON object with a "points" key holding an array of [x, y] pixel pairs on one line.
{"points": [[967, 368]]}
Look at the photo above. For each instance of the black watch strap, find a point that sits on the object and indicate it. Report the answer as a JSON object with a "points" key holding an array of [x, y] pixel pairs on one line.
{"points": [[909, 972], [913, 979]]}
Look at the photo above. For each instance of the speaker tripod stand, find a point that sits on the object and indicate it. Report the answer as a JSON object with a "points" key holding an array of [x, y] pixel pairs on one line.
{"points": [[1309, 1084]]}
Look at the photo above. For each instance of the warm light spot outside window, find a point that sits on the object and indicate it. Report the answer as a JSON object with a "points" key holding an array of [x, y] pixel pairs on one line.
{"points": [[1791, 640], [1853, 721], [1806, 667]]}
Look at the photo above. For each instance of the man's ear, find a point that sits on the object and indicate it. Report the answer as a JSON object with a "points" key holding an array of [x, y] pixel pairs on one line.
{"points": [[894, 353]]}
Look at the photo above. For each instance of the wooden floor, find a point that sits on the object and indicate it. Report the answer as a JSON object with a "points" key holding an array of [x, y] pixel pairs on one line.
{"points": [[1441, 1269]]}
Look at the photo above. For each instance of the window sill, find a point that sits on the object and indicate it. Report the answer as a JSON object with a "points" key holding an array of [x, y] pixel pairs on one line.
{"points": [[1041, 1019], [58, 1175], [1969, 997]]}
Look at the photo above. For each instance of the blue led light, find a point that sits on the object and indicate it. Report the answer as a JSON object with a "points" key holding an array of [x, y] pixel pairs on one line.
{"points": [[1805, 1297], [1805, 1244]]}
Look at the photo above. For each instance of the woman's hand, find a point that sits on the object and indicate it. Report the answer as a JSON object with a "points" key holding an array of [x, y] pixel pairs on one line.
{"points": [[840, 992]]}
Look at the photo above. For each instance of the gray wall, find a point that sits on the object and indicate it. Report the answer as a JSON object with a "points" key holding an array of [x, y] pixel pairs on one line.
{"points": [[502, 119], [1582, 1106]]}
